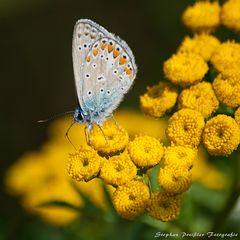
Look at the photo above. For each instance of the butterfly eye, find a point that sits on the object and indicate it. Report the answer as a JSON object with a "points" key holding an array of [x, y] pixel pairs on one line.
{"points": [[120, 77], [79, 48], [89, 93], [108, 92], [85, 45], [101, 56], [115, 72], [101, 90], [94, 65], [87, 75], [111, 43]]}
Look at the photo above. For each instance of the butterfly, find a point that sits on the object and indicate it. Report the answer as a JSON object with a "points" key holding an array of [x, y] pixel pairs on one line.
{"points": [[104, 71]]}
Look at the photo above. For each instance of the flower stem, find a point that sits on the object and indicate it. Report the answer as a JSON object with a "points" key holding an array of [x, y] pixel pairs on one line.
{"points": [[233, 195]]}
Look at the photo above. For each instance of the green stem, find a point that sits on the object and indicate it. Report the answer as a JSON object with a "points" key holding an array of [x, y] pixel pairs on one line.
{"points": [[232, 198], [234, 193]]}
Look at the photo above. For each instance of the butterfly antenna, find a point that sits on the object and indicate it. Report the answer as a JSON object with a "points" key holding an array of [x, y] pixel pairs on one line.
{"points": [[66, 134], [55, 116]]}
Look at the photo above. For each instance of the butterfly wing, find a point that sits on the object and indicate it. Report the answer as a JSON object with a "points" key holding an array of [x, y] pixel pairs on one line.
{"points": [[105, 71], [85, 33]]}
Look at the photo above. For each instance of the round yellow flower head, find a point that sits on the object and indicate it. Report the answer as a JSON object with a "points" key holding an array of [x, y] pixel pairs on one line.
{"points": [[227, 90], [158, 99], [130, 200], [230, 14], [185, 128], [237, 116], [179, 156], [84, 164], [201, 44], [145, 151], [175, 179], [200, 97], [203, 16], [221, 135], [185, 68], [226, 57], [115, 142], [164, 206], [118, 170]]}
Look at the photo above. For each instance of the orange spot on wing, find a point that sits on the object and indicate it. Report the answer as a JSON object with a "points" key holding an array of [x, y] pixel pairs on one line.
{"points": [[95, 51], [115, 53], [122, 60], [88, 58], [110, 48], [128, 71], [103, 46]]}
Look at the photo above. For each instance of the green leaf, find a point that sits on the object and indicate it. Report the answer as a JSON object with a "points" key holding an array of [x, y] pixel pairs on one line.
{"points": [[90, 208], [111, 215], [56, 203]]}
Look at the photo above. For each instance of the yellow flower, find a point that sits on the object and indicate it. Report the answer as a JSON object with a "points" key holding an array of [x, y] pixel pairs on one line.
{"points": [[214, 179], [180, 156], [115, 142], [118, 170], [175, 179], [145, 151], [202, 16], [163, 206], [221, 135], [158, 99], [39, 177], [200, 97], [84, 164], [226, 58], [237, 116], [61, 191], [227, 90], [230, 14], [185, 69], [130, 200], [185, 128], [201, 44]]}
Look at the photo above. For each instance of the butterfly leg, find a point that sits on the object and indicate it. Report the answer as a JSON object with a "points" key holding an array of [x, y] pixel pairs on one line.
{"points": [[116, 123], [87, 135], [66, 134], [103, 133]]}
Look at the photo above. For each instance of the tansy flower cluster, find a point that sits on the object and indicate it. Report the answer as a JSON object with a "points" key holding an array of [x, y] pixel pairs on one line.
{"points": [[126, 165], [205, 74], [39, 177], [201, 81]]}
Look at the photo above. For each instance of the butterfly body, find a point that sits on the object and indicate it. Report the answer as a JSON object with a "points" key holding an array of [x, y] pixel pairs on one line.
{"points": [[104, 70]]}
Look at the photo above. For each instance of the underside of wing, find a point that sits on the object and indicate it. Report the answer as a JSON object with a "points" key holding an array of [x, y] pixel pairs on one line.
{"points": [[109, 72], [86, 32]]}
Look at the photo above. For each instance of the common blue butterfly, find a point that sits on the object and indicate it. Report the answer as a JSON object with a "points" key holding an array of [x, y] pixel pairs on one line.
{"points": [[104, 70]]}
